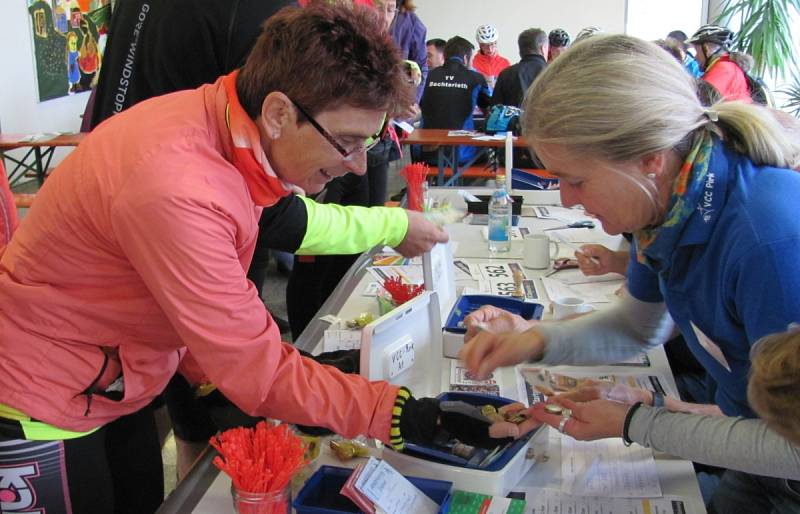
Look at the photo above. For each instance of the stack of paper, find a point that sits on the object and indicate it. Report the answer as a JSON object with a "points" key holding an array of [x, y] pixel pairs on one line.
{"points": [[378, 487]]}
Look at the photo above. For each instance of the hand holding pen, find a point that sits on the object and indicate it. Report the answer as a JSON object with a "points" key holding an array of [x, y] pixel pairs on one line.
{"points": [[594, 259]]}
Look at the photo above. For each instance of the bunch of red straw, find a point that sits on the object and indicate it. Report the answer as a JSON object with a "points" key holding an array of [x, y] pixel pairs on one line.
{"points": [[400, 291], [261, 459], [415, 175]]}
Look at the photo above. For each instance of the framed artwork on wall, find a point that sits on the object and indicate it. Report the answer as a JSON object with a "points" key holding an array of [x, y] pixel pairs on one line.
{"points": [[68, 41]]}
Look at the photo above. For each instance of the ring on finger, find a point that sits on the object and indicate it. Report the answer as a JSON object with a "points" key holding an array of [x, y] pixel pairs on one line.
{"points": [[562, 424], [567, 413]]}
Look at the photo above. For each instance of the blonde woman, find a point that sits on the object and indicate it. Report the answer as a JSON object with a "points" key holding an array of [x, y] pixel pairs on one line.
{"points": [[708, 193]]}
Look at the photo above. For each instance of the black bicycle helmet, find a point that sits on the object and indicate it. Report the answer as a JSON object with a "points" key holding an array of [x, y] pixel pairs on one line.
{"points": [[712, 34], [559, 37]]}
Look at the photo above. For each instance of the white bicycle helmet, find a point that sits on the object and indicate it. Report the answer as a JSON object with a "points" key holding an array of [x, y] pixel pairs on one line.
{"points": [[486, 34]]}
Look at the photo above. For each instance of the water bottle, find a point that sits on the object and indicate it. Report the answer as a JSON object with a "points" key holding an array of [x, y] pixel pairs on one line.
{"points": [[500, 221]]}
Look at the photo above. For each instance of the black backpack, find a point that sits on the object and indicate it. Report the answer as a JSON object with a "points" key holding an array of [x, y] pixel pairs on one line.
{"points": [[759, 91]]}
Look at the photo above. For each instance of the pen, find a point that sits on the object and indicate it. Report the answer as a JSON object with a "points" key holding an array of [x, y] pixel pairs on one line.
{"points": [[576, 248]]}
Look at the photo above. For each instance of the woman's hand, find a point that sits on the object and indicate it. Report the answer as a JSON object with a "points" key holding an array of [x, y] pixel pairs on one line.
{"points": [[596, 419], [602, 390], [515, 430], [488, 351], [493, 319], [421, 235], [598, 260]]}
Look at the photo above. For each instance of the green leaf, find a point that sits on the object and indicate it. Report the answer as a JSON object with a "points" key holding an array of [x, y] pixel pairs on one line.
{"points": [[765, 33]]}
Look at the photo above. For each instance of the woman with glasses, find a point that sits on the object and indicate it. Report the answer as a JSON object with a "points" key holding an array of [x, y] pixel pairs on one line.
{"points": [[136, 251]]}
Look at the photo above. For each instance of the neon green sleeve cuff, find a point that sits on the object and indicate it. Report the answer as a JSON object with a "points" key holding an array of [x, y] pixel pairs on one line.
{"points": [[336, 229]]}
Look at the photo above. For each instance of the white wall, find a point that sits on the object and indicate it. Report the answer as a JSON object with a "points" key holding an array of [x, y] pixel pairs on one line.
{"points": [[20, 110], [448, 18]]}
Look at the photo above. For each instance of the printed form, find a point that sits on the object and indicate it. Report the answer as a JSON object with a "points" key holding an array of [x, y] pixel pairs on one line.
{"points": [[608, 468], [551, 501]]}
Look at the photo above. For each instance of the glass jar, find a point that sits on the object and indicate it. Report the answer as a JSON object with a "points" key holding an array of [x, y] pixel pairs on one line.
{"points": [[276, 502]]}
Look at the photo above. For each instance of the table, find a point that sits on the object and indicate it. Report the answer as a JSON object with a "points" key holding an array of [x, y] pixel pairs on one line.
{"points": [[39, 155], [440, 139], [205, 491]]}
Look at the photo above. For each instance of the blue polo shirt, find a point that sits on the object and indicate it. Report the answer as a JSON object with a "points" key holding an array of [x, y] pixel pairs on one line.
{"points": [[734, 274]]}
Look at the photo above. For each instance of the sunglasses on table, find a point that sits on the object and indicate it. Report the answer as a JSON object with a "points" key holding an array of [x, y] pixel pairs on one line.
{"points": [[346, 154]]}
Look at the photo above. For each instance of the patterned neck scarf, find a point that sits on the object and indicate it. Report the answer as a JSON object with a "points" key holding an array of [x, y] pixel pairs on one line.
{"points": [[248, 156], [655, 244]]}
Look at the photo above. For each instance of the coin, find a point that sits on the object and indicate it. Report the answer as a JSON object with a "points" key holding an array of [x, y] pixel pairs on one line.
{"points": [[552, 408], [516, 418]]}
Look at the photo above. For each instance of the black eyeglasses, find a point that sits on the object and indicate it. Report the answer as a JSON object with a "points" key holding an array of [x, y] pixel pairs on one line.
{"points": [[347, 155]]}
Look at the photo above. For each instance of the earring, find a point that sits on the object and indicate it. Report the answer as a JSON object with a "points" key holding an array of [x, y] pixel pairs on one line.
{"points": [[651, 176]]}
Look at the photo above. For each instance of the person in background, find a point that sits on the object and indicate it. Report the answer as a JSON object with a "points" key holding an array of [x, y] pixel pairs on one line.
{"points": [[587, 32], [671, 47], [488, 61], [559, 41], [8, 210], [688, 60], [711, 44], [409, 33], [435, 53], [452, 92], [158, 47], [708, 193], [514, 81], [314, 278], [166, 197]]}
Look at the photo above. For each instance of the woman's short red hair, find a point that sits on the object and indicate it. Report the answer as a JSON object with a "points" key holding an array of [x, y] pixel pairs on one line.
{"points": [[325, 56]]}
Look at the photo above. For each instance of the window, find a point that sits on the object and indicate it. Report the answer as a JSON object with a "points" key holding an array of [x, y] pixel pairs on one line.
{"points": [[654, 19]]}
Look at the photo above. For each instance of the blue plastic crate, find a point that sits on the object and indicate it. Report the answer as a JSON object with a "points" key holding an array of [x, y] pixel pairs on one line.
{"points": [[473, 302], [528, 181], [320, 494]]}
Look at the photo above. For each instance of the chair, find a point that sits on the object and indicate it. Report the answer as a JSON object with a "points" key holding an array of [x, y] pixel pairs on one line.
{"points": [[8, 209]]}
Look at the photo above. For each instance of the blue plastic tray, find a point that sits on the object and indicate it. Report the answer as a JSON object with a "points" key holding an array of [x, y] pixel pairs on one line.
{"points": [[527, 181], [320, 494], [499, 463], [473, 302]]}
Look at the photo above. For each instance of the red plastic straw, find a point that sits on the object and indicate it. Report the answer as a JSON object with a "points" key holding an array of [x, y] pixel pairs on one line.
{"points": [[261, 459], [400, 291], [415, 175]]}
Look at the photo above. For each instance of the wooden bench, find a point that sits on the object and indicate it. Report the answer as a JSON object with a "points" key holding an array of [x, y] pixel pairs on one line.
{"points": [[39, 150], [23, 200], [471, 172]]}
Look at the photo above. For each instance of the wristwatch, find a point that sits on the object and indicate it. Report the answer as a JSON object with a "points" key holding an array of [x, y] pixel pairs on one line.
{"points": [[658, 399]]}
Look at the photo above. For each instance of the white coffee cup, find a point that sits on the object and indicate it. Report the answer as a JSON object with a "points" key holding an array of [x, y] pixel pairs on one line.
{"points": [[536, 251], [569, 306]]}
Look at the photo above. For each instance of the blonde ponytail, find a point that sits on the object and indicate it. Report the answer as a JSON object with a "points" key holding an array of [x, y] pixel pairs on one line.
{"points": [[757, 132]]}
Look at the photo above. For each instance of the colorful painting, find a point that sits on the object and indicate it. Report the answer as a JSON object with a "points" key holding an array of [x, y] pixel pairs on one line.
{"points": [[68, 41]]}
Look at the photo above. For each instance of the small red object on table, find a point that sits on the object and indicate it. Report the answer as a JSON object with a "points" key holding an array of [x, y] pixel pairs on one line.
{"points": [[415, 175], [400, 291], [260, 461]]}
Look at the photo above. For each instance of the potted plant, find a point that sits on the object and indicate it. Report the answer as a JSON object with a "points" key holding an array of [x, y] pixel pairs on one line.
{"points": [[792, 94], [765, 32]]}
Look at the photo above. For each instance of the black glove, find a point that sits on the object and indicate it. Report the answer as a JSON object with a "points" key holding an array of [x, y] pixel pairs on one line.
{"points": [[346, 361], [427, 420]]}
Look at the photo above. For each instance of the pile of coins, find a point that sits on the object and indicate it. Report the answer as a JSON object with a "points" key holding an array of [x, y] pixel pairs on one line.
{"points": [[495, 416]]}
